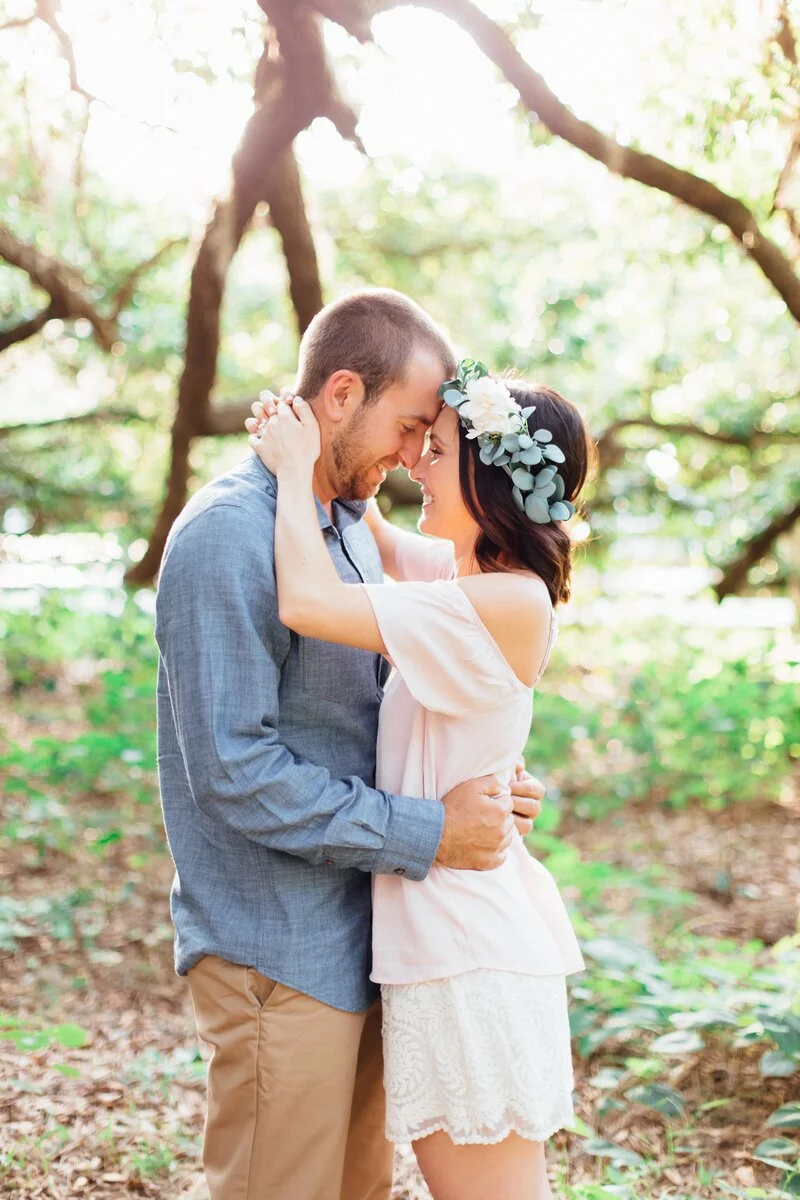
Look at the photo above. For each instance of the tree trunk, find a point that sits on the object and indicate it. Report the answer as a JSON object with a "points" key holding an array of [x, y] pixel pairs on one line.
{"points": [[290, 92]]}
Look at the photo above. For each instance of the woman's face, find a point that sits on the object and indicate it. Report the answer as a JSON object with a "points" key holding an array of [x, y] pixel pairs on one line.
{"points": [[444, 513]]}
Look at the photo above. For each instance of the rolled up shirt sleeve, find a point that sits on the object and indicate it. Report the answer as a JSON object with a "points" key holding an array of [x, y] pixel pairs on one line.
{"points": [[222, 649]]}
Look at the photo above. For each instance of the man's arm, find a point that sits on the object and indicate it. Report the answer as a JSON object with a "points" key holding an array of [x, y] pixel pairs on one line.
{"points": [[223, 647]]}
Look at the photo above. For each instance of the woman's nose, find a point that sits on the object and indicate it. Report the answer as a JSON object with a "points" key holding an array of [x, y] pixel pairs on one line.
{"points": [[416, 470]]}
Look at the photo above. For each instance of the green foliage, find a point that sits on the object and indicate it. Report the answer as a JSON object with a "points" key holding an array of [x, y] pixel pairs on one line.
{"points": [[33, 1037], [693, 993], [67, 918], [674, 726], [93, 785], [157, 1072], [738, 996]]}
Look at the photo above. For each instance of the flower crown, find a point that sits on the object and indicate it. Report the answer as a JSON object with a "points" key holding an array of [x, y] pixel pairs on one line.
{"points": [[490, 413]]}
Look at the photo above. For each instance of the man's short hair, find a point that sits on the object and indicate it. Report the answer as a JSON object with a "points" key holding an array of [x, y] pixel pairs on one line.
{"points": [[373, 333]]}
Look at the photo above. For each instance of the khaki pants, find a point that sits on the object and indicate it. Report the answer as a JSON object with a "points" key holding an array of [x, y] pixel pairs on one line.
{"points": [[295, 1091]]}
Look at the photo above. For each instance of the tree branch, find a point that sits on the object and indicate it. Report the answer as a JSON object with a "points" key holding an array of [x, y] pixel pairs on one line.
{"points": [[349, 14], [18, 23], [653, 172], [96, 416], [39, 484], [787, 170], [287, 212], [688, 428], [26, 329], [610, 452], [293, 86], [125, 293], [63, 284], [735, 573], [225, 419], [784, 35], [49, 11]]}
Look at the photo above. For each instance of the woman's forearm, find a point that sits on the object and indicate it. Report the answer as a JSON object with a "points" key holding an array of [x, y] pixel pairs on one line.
{"points": [[312, 599], [303, 565], [384, 534], [388, 538]]}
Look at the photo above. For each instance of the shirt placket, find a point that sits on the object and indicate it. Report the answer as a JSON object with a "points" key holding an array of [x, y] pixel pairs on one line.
{"points": [[332, 532]]}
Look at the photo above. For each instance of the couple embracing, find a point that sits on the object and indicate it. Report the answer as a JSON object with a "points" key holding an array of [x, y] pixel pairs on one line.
{"points": [[373, 954]]}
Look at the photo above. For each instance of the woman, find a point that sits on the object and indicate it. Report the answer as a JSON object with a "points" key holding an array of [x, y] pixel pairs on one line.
{"points": [[471, 964]]}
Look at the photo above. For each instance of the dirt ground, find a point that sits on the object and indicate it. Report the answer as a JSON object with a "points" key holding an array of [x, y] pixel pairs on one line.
{"points": [[129, 1119]]}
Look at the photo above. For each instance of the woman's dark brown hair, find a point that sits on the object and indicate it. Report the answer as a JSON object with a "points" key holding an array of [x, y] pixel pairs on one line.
{"points": [[508, 539]]}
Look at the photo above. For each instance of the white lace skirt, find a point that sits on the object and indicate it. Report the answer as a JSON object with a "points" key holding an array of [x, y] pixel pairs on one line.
{"points": [[478, 1055]]}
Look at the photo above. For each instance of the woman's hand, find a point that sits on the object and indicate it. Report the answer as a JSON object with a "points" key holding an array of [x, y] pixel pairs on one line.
{"points": [[290, 440], [265, 407], [527, 794]]}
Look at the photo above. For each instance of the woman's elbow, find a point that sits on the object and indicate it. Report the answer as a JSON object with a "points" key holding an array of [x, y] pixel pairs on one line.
{"points": [[296, 615]]}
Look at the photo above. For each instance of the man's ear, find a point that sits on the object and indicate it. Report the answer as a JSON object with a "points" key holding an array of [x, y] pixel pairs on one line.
{"points": [[341, 396]]}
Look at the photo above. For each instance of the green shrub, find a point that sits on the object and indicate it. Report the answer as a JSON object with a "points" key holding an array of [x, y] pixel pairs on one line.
{"points": [[672, 726]]}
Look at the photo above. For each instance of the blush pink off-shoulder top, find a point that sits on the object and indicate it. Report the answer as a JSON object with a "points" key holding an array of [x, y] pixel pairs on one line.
{"points": [[455, 710]]}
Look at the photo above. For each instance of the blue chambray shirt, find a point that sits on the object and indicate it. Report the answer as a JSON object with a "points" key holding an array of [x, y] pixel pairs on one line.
{"points": [[266, 754]]}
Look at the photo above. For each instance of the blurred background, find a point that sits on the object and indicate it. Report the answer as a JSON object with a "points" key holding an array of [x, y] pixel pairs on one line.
{"points": [[601, 194]]}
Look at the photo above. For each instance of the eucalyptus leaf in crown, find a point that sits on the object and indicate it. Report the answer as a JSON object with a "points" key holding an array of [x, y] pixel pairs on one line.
{"points": [[489, 412]]}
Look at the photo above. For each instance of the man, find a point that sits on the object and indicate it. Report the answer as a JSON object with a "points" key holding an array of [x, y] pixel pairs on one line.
{"points": [[267, 759]]}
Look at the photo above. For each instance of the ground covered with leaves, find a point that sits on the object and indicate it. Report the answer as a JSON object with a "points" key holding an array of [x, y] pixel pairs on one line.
{"points": [[686, 1023]]}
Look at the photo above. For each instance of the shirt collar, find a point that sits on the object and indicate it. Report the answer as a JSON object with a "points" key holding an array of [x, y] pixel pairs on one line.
{"points": [[345, 512]]}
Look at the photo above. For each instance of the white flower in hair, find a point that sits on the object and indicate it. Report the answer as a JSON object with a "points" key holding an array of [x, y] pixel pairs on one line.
{"points": [[530, 458], [489, 408]]}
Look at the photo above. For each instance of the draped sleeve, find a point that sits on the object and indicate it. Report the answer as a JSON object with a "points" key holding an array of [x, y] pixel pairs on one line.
{"points": [[420, 557], [446, 656]]}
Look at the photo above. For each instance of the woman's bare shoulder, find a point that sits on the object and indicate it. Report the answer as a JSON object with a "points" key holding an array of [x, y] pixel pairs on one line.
{"points": [[508, 591], [515, 608]]}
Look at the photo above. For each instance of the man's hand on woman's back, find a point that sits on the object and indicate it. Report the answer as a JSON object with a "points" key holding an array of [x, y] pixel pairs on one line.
{"points": [[478, 825], [480, 816]]}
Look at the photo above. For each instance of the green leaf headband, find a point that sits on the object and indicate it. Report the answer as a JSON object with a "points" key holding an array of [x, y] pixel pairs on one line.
{"points": [[488, 412]]}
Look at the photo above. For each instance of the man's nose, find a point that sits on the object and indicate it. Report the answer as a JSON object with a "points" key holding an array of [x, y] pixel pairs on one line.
{"points": [[411, 454]]}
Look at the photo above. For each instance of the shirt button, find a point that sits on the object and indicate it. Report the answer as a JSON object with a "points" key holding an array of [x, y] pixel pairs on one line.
{"points": [[399, 870]]}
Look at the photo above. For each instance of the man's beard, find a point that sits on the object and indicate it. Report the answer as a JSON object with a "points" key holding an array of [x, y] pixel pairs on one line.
{"points": [[353, 462]]}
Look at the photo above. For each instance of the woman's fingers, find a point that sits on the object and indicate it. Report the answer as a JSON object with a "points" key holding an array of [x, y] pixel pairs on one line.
{"points": [[303, 411], [286, 413], [282, 429], [264, 409], [268, 403], [524, 825]]}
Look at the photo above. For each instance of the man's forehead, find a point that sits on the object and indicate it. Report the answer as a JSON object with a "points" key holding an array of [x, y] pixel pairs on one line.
{"points": [[416, 399]]}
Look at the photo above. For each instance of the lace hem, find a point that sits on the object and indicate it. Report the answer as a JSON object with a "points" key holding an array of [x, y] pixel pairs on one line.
{"points": [[477, 1056], [476, 1139]]}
